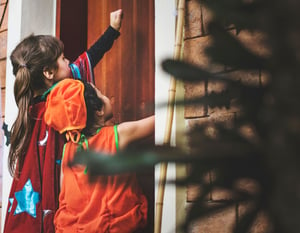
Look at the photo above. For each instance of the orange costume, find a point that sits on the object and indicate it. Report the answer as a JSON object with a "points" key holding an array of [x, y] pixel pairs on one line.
{"points": [[112, 204]]}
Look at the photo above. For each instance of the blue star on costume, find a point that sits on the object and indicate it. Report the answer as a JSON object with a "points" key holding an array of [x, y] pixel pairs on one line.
{"points": [[27, 199]]}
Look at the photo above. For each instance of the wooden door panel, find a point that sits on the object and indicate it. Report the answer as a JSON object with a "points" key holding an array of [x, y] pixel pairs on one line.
{"points": [[126, 73]]}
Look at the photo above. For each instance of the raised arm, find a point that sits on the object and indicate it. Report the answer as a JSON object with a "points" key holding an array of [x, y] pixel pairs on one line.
{"points": [[82, 67], [105, 42], [134, 130]]}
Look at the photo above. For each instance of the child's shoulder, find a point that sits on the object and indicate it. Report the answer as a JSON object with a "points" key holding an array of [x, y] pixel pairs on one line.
{"points": [[107, 129]]}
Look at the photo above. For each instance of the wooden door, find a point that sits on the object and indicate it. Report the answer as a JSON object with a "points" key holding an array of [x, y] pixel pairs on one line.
{"points": [[126, 73]]}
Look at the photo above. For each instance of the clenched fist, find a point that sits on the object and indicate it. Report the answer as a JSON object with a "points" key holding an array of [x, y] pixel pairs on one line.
{"points": [[116, 19]]}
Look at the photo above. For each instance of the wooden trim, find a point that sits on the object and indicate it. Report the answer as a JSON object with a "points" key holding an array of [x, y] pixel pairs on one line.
{"points": [[58, 18]]}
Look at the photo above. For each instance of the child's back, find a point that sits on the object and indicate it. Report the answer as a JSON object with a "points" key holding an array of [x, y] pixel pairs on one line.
{"points": [[111, 203]]}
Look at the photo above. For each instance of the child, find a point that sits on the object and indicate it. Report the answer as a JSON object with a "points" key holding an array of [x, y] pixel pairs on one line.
{"points": [[35, 153], [112, 203]]}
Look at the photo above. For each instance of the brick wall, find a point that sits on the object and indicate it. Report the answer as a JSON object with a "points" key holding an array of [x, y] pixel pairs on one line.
{"points": [[196, 39], [3, 42]]}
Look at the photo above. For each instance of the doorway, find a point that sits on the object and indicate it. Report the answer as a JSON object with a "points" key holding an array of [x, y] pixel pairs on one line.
{"points": [[126, 72]]}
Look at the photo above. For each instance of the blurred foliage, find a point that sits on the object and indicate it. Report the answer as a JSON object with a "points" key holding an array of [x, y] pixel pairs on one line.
{"points": [[270, 158]]}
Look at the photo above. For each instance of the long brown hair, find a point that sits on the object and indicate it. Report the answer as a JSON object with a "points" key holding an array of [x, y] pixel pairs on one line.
{"points": [[30, 57]]}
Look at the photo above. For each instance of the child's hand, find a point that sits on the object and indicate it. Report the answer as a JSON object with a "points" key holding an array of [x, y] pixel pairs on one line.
{"points": [[116, 19]]}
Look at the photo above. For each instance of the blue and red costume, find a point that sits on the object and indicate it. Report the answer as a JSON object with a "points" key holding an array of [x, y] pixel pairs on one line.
{"points": [[33, 198]]}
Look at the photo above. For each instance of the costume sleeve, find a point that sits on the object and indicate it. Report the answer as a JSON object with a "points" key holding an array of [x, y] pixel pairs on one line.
{"points": [[82, 67], [102, 45]]}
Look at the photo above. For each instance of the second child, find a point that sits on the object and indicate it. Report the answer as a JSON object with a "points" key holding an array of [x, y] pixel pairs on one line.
{"points": [[111, 203]]}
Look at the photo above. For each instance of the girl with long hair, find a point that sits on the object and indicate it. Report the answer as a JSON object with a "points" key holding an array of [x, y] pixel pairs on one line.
{"points": [[35, 152]]}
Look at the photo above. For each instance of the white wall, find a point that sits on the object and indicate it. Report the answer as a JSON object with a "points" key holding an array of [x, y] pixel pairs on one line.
{"points": [[165, 15], [24, 18]]}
